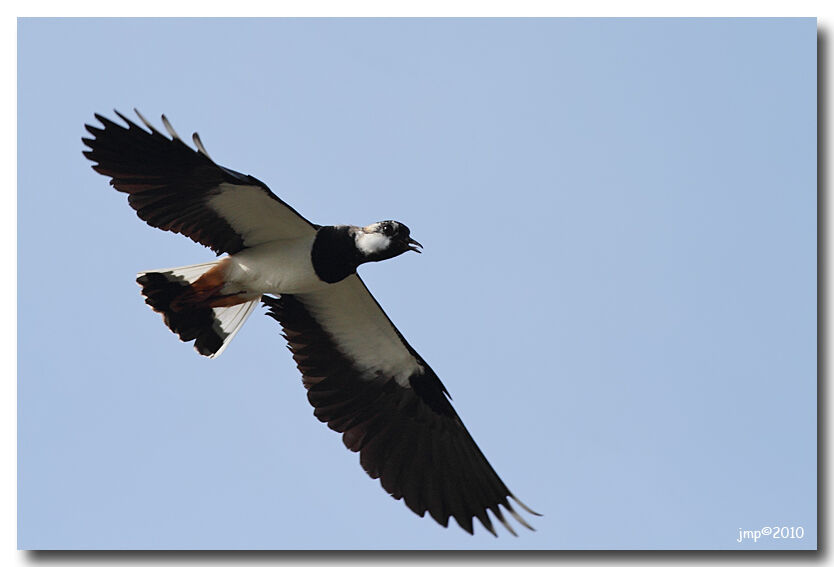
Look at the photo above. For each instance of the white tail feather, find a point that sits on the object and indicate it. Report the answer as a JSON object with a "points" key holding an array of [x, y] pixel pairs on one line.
{"points": [[189, 273], [227, 320], [231, 319]]}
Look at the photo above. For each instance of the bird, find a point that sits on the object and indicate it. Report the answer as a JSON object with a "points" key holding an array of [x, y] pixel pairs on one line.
{"points": [[363, 379]]}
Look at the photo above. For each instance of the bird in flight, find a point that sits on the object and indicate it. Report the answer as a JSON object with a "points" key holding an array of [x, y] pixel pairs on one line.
{"points": [[362, 377]]}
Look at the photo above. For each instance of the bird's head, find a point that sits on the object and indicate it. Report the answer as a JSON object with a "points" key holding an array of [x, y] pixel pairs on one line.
{"points": [[383, 240]]}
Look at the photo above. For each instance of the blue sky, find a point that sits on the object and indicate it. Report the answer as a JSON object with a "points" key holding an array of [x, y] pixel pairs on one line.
{"points": [[618, 286]]}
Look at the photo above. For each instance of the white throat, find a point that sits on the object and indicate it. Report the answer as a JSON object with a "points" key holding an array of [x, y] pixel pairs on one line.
{"points": [[371, 243]]}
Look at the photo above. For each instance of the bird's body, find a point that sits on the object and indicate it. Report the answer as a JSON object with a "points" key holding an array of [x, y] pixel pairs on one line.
{"points": [[362, 377], [282, 266]]}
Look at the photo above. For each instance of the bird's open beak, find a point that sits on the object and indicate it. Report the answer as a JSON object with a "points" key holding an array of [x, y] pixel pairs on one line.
{"points": [[413, 245]]}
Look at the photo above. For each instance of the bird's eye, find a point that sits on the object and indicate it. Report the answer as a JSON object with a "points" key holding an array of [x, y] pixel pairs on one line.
{"points": [[387, 229]]}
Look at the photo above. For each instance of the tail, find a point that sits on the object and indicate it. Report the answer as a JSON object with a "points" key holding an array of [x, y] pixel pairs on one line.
{"points": [[211, 328]]}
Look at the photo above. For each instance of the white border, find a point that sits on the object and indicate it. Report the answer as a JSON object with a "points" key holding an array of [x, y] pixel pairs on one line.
{"points": [[446, 8]]}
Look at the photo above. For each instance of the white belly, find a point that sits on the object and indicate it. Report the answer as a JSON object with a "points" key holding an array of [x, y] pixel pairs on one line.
{"points": [[280, 266]]}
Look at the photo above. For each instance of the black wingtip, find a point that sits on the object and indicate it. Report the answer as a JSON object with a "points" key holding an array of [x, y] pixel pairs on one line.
{"points": [[107, 122], [524, 506], [146, 122], [94, 130], [123, 117]]}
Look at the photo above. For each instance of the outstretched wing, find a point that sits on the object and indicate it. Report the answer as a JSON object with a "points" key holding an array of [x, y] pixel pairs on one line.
{"points": [[366, 382], [176, 188]]}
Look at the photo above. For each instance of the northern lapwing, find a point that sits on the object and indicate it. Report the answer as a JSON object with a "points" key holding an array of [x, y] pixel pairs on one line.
{"points": [[362, 377]]}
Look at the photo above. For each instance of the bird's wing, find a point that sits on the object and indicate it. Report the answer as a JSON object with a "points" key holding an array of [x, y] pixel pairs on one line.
{"points": [[366, 382], [173, 187]]}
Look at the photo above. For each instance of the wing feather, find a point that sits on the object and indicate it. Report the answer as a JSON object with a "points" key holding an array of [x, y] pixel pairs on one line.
{"points": [[405, 430], [175, 188]]}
